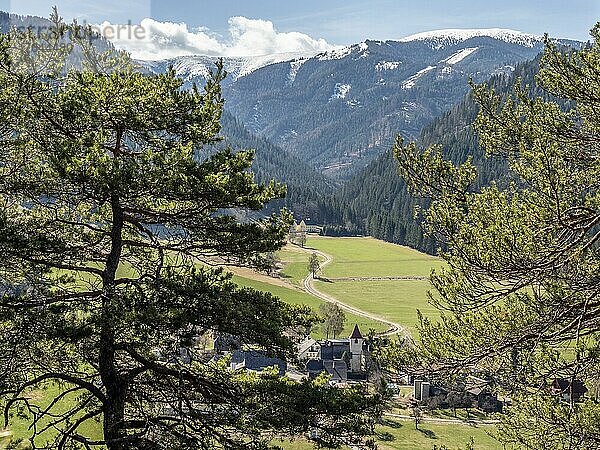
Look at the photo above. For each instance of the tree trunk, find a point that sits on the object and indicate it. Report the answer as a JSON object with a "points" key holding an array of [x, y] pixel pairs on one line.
{"points": [[114, 384]]}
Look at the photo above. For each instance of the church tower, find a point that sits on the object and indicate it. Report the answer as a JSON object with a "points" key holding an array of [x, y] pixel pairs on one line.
{"points": [[356, 350]]}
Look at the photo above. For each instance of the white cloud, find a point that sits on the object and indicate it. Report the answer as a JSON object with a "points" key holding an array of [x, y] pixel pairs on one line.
{"points": [[153, 40]]}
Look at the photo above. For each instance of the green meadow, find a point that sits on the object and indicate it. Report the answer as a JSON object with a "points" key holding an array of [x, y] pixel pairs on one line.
{"points": [[396, 300], [402, 435], [20, 422], [369, 257], [297, 297]]}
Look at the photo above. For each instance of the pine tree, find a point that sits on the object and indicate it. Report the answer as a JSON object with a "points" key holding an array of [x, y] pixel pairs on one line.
{"points": [[109, 226], [523, 262]]}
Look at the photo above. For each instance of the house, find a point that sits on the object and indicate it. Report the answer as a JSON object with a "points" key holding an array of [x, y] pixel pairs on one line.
{"points": [[308, 349], [569, 390], [337, 369], [421, 389], [255, 361], [479, 390]]}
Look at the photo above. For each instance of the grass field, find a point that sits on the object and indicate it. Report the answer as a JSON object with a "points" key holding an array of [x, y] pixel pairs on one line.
{"points": [[395, 300], [370, 257], [19, 425], [295, 263], [297, 297], [402, 435]]}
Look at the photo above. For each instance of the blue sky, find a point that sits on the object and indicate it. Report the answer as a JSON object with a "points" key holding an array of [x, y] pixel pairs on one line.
{"points": [[336, 22], [342, 21]]}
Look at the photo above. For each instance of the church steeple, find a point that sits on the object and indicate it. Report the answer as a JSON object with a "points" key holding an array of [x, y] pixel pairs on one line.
{"points": [[356, 334], [356, 350]]}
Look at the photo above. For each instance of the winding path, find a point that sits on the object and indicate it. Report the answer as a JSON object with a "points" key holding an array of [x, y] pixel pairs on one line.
{"points": [[393, 328]]}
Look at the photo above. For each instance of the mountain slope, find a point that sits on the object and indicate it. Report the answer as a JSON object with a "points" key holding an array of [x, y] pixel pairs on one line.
{"points": [[341, 109], [304, 184], [376, 201], [197, 68]]}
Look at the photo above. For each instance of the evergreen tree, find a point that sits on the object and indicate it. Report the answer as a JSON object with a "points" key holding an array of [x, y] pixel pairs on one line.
{"points": [[109, 227], [523, 258]]}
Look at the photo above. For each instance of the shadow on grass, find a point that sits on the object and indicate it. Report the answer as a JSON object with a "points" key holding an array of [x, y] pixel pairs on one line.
{"points": [[386, 436], [391, 423], [324, 280], [428, 433]]}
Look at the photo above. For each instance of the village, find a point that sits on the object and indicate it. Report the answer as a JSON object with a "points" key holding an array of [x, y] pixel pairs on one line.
{"points": [[348, 361]]}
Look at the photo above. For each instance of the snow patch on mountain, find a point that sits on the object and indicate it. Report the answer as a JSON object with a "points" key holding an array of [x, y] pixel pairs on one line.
{"points": [[251, 64], [382, 66], [189, 68], [504, 70], [444, 38], [460, 55], [340, 91], [294, 68], [409, 83], [339, 53]]}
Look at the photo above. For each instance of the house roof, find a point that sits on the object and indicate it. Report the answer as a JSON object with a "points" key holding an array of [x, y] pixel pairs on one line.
{"points": [[337, 369], [254, 360], [476, 386], [564, 385], [356, 334], [315, 365], [305, 345], [334, 349]]}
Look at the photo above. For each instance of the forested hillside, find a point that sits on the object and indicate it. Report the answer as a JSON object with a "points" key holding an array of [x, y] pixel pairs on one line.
{"points": [[305, 186], [376, 201], [340, 110], [325, 125]]}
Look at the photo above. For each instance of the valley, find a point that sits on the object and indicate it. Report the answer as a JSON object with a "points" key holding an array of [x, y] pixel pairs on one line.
{"points": [[362, 274], [391, 300], [226, 238], [353, 260]]}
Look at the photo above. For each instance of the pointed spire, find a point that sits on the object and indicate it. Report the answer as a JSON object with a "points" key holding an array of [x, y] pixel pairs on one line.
{"points": [[356, 334]]}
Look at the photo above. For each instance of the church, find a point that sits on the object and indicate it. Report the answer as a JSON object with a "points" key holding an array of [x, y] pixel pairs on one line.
{"points": [[343, 359]]}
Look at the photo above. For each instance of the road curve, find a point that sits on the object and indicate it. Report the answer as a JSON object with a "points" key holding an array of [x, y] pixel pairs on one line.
{"points": [[393, 328]]}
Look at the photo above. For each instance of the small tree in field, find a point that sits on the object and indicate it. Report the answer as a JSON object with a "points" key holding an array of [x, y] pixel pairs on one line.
{"points": [[334, 319], [110, 222], [314, 265], [417, 414], [301, 238]]}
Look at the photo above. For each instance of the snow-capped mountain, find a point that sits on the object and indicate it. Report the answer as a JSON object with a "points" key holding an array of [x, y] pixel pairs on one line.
{"points": [[190, 68], [449, 37], [341, 108], [198, 67]]}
